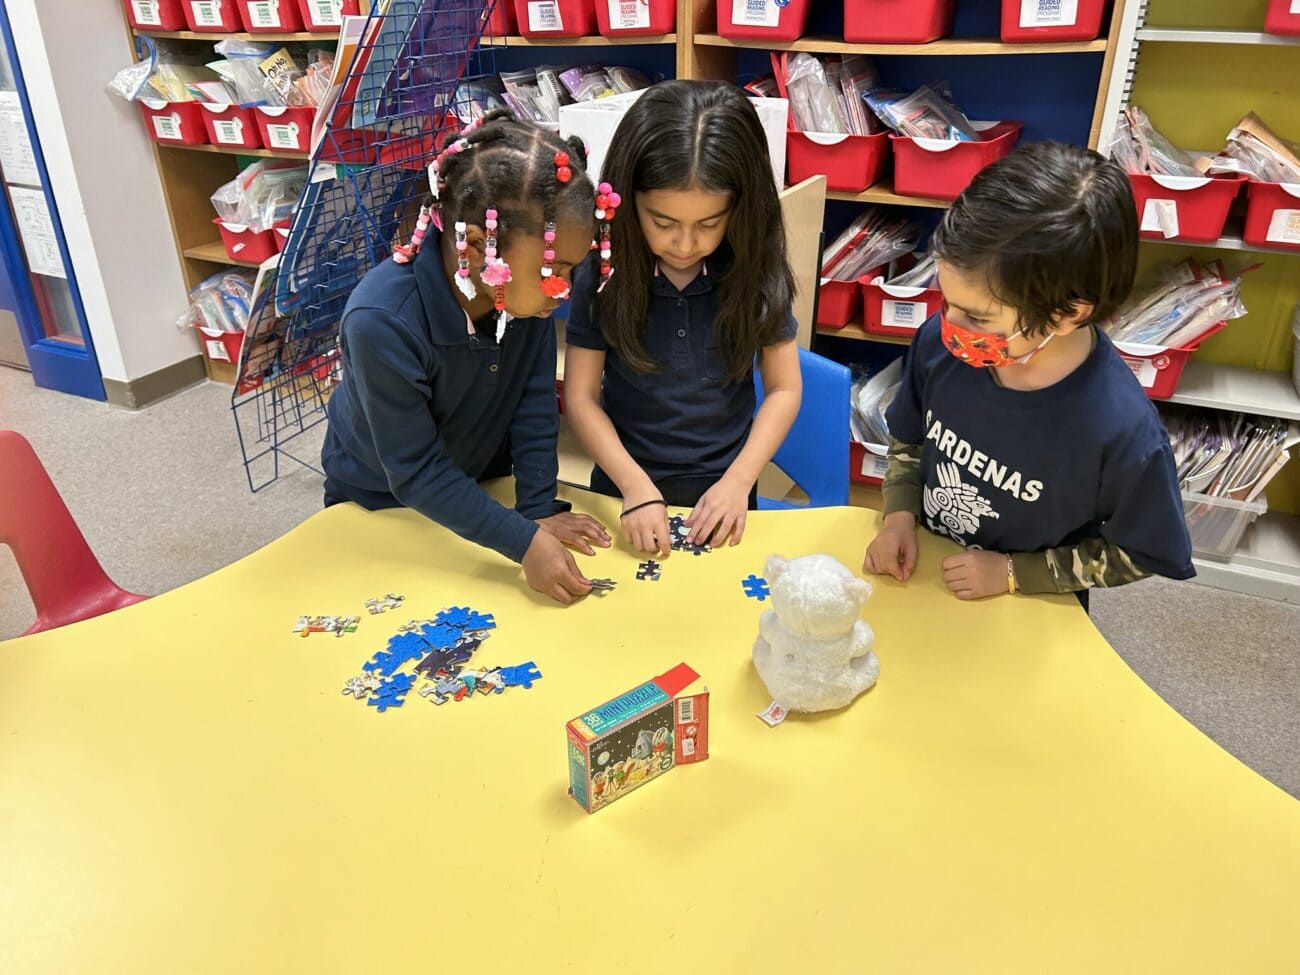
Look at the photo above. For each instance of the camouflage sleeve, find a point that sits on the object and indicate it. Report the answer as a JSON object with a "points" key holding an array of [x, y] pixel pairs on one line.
{"points": [[1093, 562], [902, 485]]}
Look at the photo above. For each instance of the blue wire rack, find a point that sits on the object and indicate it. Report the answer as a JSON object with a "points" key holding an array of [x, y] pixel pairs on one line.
{"points": [[402, 97]]}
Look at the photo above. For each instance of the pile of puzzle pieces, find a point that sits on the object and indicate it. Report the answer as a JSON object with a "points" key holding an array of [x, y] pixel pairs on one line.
{"points": [[440, 649]]}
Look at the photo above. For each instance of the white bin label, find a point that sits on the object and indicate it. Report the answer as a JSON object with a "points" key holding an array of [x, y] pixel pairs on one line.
{"points": [[1161, 216], [328, 13], [755, 13], [230, 132], [629, 14], [216, 350], [264, 13], [206, 13], [146, 13], [168, 127], [1143, 369], [545, 15], [873, 466], [1284, 228], [283, 136], [1049, 13], [902, 314]]}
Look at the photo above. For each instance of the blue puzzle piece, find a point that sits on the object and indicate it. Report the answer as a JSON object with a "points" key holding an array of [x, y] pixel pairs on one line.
{"points": [[479, 621], [439, 635], [391, 693], [401, 648], [457, 616], [520, 675], [756, 587]]}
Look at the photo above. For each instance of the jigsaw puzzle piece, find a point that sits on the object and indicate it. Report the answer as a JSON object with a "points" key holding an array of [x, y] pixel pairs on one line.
{"points": [[521, 675]]}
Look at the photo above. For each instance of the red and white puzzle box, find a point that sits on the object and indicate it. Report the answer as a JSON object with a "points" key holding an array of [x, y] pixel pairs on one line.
{"points": [[637, 737]]}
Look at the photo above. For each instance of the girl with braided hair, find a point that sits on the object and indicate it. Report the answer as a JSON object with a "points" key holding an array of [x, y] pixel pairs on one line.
{"points": [[659, 368], [449, 353]]}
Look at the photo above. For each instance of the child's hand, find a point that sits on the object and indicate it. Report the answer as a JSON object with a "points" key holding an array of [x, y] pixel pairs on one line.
{"points": [[576, 531], [893, 551], [550, 569], [975, 574], [646, 528], [719, 514]]}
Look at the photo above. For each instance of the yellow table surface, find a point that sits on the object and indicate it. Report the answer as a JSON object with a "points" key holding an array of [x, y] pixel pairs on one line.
{"points": [[183, 788]]}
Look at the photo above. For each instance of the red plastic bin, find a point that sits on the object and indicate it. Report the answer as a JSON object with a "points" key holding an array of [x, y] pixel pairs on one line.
{"points": [[838, 303], [762, 20], [285, 129], [850, 163], [174, 123], [231, 125], [270, 16], [213, 16], [1283, 17], [626, 18], [246, 245], [281, 231], [1158, 368], [897, 21], [1191, 208], [1272, 215], [155, 14], [327, 15], [502, 22], [942, 168], [892, 310], [556, 18], [867, 462], [1051, 21]]}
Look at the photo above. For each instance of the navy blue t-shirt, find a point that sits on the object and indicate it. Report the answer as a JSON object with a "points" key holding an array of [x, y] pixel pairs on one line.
{"points": [[1024, 471], [687, 418]]}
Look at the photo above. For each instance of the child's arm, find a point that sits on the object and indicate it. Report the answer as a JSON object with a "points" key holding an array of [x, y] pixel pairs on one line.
{"points": [[974, 574], [393, 389], [720, 513], [646, 529], [534, 432], [894, 550]]}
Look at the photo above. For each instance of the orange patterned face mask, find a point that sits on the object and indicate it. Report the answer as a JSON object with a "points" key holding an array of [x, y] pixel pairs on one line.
{"points": [[981, 350]]}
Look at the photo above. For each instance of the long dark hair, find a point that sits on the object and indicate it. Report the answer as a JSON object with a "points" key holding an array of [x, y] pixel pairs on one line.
{"points": [[684, 134]]}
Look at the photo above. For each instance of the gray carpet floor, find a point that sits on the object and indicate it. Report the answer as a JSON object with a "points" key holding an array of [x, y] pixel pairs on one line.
{"points": [[162, 498]]}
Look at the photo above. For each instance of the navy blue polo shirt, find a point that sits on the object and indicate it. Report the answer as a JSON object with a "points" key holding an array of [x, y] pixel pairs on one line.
{"points": [[427, 402], [1027, 470], [687, 418]]}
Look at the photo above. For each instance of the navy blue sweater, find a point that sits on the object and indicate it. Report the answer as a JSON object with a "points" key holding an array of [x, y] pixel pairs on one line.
{"points": [[427, 403]]}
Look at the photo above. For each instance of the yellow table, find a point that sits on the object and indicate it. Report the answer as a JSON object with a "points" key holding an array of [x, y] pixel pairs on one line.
{"points": [[184, 789]]}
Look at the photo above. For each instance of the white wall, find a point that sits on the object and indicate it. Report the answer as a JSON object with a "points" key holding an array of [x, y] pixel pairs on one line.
{"points": [[105, 182]]}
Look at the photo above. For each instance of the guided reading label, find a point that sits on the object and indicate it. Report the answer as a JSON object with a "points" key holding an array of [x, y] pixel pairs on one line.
{"points": [[206, 13], [755, 13], [1284, 228], [1049, 13], [1143, 369], [629, 14], [902, 314], [230, 132], [146, 13], [283, 136], [874, 466], [264, 13], [330, 12], [545, 15], [167, 127]]}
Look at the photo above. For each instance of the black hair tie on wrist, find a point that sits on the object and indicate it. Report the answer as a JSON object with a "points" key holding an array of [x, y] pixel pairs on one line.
{"points": [[643, 504]]}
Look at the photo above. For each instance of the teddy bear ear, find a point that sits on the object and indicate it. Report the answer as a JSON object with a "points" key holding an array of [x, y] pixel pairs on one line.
{"points": [[775, 568], [859, 589]]}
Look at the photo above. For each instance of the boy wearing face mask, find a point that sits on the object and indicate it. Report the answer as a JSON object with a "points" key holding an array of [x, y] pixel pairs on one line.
{"points": [[1018, 430]]}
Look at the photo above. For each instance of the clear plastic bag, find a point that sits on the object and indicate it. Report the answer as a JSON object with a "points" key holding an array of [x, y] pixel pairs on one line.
{"points": [[872, 397], [1139, 147], [857, 77], [314, 85], [166, 74], [814, 101], [627, 79], [261, 196], [927, 113], [221, 303], [588, 82], [1189, 300], [1256, 151], [258, 73], [875, 238], [922, 275]]}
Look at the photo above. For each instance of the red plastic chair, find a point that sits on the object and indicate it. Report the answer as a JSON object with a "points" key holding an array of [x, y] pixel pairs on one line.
{"points": [[65, 580]]}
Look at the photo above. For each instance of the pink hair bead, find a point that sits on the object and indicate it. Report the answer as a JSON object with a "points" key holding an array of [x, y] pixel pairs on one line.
{"points": [[549, 236]]}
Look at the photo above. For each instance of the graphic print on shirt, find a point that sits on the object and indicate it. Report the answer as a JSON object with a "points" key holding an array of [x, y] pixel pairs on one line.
{"points": [[955, 507]]}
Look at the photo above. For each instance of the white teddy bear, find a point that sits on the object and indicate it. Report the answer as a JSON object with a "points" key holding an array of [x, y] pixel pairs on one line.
{"points": [[813, 651]]}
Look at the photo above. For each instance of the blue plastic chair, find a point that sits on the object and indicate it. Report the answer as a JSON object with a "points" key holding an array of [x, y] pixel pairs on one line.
{"points": [[815, 454]]}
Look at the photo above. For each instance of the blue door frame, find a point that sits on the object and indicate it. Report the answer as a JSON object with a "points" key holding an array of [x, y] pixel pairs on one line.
{"points": [[55, 364]]}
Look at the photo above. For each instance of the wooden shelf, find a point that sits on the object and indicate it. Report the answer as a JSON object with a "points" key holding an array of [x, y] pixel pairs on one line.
{"points": [[633, 41], [192, 35], [855, 331], [884, 193], [1210, 35], [946, 47], [233, 151], [1238, 388], [215, 253], [1267, 563], [1231, 242]]}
